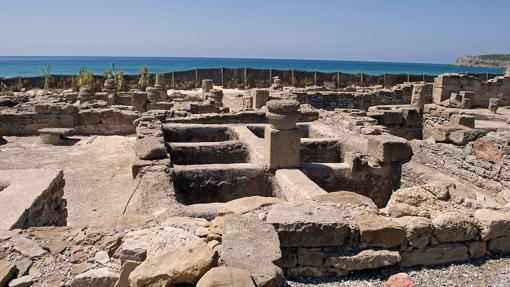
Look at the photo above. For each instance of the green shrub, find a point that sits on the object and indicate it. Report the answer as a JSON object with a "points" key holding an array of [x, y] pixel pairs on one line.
{"points": [[47, 77], [121, 81], [143, 82], [6, 90], [85, 77]]}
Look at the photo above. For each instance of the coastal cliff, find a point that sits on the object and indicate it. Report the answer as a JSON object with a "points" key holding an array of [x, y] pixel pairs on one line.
{"points": [[494, 60]]}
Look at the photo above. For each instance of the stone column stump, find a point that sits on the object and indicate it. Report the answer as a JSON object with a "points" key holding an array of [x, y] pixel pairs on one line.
{"points": [[494, 104], [260, 97], [207, 85], [281, 136]]}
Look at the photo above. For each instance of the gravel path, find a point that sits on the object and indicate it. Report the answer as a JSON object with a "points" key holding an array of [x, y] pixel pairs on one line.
{"points": [[479, 273]]}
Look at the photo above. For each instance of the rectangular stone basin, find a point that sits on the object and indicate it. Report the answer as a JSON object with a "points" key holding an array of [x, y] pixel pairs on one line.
{"points": [[197, 133], [208, 153], [220, 182]]}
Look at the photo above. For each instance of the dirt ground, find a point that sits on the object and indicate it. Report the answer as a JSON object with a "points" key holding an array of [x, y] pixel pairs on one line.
{"points": [[97, 171]]}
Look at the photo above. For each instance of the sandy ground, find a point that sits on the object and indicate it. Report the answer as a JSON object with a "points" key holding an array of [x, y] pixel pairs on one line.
{"points": [[97, 170]]}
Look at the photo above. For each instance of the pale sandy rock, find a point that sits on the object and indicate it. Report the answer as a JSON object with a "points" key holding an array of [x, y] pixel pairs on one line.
{"points": [[101, 277], [346, 198], [127, 267], [23, 281], [226, 277], [454, 227], [435, 255], [493, 223], [27, 247], [246, 204], [7, 270], [380, 231], [185, 264], [366, 259], [418, 230]]}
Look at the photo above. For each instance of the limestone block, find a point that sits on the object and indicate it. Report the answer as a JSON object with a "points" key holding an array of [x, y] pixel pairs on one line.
{"points": [[349, 198], [379, 231], [418, 230], [392, 118], [260, 97], [310, 256], [500, 245], [435, 255], [463, 120], [295, 185], [494, 104], [492, 223], [226, 277], [466, 135], [308, 224], [101, 277], [411, 117], [477, 249], [150, 148], [207, 85], [178, 265], [388, 148], [252, 245], [454, 227], [307, 271], [246, 204], [281, 148], [139, 101], [366, 259]]}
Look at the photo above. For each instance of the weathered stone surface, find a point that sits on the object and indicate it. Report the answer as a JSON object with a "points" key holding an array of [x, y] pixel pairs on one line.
{"points": [[413, 201], [295, 185], [307, 271], [139, 101], [454, 227], [435, 255], [252, 245], [216, 228], [308, 224], [246, 204], [379, 231], [418, 230], [101, 277], [127, 267], [7, 270], [492, 223], [184, 264], [27, 247], [310, 256], [477, 249], [282, 106], [347, 198], [149, 148], [399, 280], [464, 136], [366, 259], [226, 277], [388, 148], [281, 148], [23, 281], [500, 245]]}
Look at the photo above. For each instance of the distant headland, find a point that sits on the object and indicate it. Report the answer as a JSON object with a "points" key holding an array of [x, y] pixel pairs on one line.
{"points": [[492, 60]]}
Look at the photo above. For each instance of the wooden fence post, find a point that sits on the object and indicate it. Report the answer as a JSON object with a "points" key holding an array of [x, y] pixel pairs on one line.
{"points": [[338, 80], [315, 78], [361, 81], [196, 78], [270, 76], [245, 80], [292, 77], [222, 77], [408, 77], [173, 79], [384, 80]]}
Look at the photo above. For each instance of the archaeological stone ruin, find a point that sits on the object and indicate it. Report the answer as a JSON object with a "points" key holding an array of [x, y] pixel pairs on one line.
{"points": [[214, 185]]}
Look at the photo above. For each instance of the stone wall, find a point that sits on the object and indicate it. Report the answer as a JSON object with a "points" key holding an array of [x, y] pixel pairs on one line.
{"points": [[498, 87], [87, 121], [235, 78]]}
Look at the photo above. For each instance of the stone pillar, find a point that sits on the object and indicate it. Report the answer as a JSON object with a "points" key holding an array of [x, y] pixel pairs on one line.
{"points": [[260, 97], [277, 83], [85, 94], [110, 86], [207, 85], [419, 96], [160, 82], [153, 94], [281, 136], [158, 92], [494, 104], [215, 96]]}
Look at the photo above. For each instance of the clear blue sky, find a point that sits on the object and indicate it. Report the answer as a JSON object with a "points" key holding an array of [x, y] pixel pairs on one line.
{"points": [[435, 31]]}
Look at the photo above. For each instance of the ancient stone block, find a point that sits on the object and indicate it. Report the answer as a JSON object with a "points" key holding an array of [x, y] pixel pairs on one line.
{"points": [[308, 224], [388, 148], [494, 104], [252, 245], [260, 97], [366, 259], [226, 277], [418, 230], [463, 120], [281, 148], [477, 249], [492, 223], [454, 227], [7, 270], [379, 231], [435, 255], [139, 101], [310, 256], [500, 245], [150, 148], [466, 135]]}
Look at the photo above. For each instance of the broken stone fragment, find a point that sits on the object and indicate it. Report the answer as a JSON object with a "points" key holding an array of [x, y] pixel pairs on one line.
{"points": [[500, 245], [23, 281], [477, 249], [185, 264], [126, 269], [226, 277], [27, 247], [246, 204], [418, 230], [399, 280]]}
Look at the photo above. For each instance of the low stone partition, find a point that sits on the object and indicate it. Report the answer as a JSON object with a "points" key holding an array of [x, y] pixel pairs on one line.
{"points": [[35, 202], [92, 120]]}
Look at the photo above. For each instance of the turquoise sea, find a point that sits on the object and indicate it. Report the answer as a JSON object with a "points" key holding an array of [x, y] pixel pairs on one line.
{"points": [[33, 66]]}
